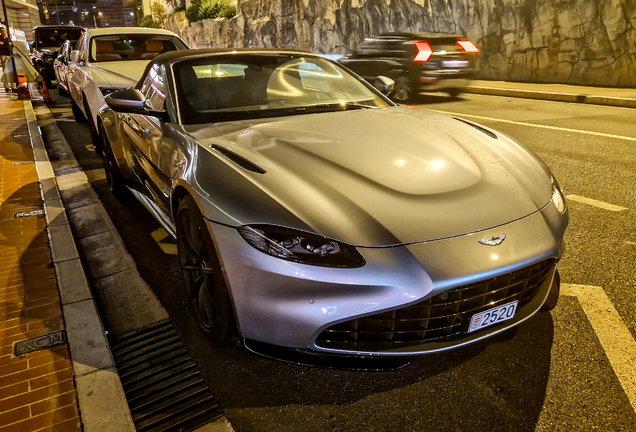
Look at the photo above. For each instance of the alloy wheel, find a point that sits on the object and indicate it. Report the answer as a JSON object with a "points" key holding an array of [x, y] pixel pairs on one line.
{"points": [[207, 292]]}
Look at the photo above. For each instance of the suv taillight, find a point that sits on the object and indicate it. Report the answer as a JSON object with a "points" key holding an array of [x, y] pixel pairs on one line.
{"points": [[468, 46], [424, 52]]}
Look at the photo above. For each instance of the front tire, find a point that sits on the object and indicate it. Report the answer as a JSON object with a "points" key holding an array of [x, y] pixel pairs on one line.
{"points": [[114, 177], [97, 143], [77, 113], [207, 290]]}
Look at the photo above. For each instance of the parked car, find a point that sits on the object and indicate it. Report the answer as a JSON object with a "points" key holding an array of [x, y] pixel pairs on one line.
{"points": [[417, 62], [47, 41], [110, 59], [60, 66], [313, 213]]}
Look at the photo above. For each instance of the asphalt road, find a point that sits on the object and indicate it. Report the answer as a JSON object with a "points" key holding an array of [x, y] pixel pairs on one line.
{"points": [[553, 375]]}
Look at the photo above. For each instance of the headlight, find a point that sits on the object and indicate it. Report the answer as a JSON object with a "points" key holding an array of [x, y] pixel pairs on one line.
{"points": [[558, 198], [48, 59], [301, 247]]}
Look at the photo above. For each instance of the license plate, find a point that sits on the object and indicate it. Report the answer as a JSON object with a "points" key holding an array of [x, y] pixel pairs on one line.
{"points": [[493, 316], [454, 63]]}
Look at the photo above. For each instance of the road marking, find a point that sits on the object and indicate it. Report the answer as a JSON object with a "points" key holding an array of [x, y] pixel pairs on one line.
{"points": [[536, 125], [159, 235], [595, 203], [90, 147], [615, 338]]}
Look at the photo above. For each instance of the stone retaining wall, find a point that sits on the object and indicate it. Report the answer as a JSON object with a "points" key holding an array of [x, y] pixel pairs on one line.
{"points": [[588, 42]]}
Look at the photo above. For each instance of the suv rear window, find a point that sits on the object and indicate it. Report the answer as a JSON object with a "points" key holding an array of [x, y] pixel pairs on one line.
{"points": [[55, 37]]}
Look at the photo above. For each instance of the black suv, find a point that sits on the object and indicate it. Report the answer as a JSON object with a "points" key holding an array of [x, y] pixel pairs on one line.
{"points": [[417, 62], [47, 41]]}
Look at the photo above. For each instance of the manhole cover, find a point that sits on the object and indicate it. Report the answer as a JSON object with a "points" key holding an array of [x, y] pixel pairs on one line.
{"points": [[41, 342]]}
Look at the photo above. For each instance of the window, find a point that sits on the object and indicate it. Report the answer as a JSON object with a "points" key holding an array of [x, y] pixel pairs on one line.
{"points": [[131, 47], [81, 47], [153, 89], [239, 86], [54, 37]]}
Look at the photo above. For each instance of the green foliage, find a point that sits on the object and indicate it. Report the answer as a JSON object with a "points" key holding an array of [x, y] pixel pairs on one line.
{"points": [[209, 9], [228, 12], [147, 21], [192, 13], [159, 14], [180, 7]]}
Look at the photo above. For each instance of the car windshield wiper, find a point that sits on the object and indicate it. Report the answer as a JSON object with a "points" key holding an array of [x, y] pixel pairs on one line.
{"points": [[338, 106]]}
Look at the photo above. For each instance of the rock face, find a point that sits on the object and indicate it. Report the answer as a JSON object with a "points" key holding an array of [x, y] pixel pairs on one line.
{"points": [[588, 42]]}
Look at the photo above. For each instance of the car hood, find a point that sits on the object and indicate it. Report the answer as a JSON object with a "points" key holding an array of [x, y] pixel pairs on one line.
{"points": [[379, 177], [119, 73]]}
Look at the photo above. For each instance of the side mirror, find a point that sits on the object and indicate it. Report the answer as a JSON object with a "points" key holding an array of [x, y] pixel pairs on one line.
{"points": [[74, 56], [132, 101], [384, 85]]}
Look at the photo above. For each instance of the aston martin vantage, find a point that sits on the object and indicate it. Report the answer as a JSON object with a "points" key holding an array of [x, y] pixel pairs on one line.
{"points": [[313, 213]]}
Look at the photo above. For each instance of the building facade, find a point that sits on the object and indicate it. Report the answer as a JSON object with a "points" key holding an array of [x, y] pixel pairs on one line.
{"points": [[23, 15]]}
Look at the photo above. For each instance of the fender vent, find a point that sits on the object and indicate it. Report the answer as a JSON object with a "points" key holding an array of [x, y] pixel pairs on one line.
{"points": [[479, 128], [239, 160]]}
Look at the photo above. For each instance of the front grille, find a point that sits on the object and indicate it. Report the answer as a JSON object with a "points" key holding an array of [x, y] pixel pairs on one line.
{"points": [[443, 317]]}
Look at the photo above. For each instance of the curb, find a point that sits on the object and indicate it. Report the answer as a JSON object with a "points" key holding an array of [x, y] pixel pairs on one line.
{"points": [[560, 97], [101, 399], [109, 268]]}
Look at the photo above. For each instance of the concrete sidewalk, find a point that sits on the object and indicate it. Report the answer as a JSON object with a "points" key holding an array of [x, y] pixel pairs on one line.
{"points": [[620, 97], [37, 389], [56, 369]]}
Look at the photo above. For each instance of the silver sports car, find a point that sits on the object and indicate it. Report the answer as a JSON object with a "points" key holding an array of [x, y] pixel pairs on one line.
{"points": [[313, 213]]}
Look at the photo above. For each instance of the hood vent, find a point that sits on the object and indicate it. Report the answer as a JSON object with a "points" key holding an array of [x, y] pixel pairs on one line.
{"points": [[239, 160], [479, 128]]}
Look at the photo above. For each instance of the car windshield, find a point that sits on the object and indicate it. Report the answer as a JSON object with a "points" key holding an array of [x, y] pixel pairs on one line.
{"points": [[55, 37], [241, 86], [131, 47]]}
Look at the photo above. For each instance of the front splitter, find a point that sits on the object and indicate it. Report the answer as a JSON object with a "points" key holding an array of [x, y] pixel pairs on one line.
{"points": [[305, 358]]}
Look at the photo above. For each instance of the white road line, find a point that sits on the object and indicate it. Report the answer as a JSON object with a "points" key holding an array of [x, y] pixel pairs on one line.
{"points": [[617, 341], [537, 125], [595, 203]]}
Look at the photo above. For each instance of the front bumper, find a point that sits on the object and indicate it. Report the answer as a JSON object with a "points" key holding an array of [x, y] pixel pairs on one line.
{"points": [[291, 305]]}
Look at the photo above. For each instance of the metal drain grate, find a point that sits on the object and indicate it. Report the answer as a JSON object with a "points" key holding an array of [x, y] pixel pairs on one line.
{"points": [[163, 385]]}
